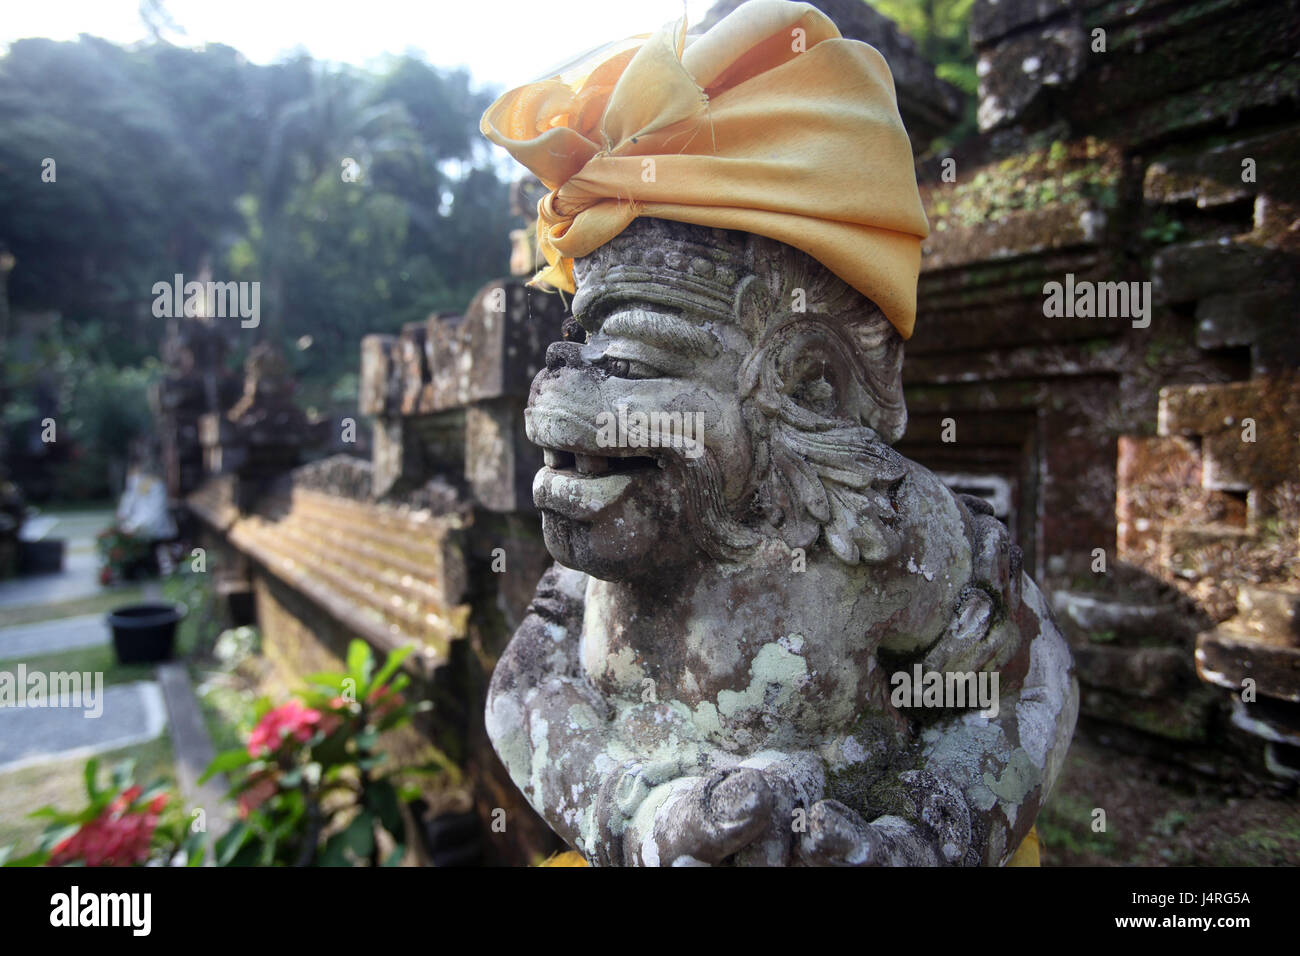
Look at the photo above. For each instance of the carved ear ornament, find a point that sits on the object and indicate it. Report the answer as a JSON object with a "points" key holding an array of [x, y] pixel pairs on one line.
{"points": [[826, 475]]}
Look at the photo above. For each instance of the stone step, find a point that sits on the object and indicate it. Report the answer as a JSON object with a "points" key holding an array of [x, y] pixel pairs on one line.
{"points": [[1274, 721], [1226, 657], [1185, 717], [1091, 614], [1269, 614], [1282, 760], [1145, 672]]}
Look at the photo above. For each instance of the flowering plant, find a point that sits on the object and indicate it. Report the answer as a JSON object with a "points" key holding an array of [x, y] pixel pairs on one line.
{"points": [[312, 786], [121, 555], [122, 824]]}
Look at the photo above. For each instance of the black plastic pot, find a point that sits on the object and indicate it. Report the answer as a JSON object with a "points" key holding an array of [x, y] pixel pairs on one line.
{"points": [[449, 839], [40, 557], [145, 633]]}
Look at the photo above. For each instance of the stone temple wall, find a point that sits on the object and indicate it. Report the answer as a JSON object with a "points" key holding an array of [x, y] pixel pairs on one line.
{"points": [[434, 541], [1116, 454], [1149, 466]]}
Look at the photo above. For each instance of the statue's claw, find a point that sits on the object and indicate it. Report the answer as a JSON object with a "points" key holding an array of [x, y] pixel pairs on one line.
{"points": [[839, 836], [717, 817]]}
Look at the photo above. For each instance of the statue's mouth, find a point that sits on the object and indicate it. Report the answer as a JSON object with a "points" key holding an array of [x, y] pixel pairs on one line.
{"points": [[593, 466], [580, 486]]}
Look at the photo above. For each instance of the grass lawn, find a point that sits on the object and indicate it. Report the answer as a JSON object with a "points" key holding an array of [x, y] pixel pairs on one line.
{"points": [[94, 604], [61, 783], [82, 659], [102, 509]]}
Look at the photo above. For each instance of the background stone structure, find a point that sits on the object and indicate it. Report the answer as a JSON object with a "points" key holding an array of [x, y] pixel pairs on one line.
{"points": [[1113, 145], [1083, 434], [433, 540]]}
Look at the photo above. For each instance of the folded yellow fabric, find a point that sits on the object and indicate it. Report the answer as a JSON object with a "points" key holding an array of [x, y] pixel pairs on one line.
{"points": [[770, 123]]}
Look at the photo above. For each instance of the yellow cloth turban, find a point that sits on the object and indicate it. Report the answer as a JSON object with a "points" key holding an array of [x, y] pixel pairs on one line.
{"points": [[770, 123]]}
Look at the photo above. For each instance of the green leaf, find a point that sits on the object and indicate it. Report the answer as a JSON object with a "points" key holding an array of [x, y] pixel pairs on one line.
{"points": [[231, 842], [361, 662], [393, 662], [122, 774], [37, 858], [195, 847], [55, 835], [408, 792], [47, 813], [267, 857], [332, 854], [328, 679], [381, 797], [399, 683], [90, 774], [226, 760], [359, 837], [157, 788], [393, 721]]}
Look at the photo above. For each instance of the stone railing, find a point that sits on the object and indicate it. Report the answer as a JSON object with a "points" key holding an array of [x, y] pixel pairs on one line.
{"points": [[434, 542]]}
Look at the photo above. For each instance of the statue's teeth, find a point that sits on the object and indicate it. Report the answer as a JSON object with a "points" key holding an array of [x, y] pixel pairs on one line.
{"points": [[551, 459], [591, 464]]}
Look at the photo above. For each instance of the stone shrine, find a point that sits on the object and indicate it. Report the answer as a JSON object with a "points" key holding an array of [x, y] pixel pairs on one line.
{"points": [[769, 639]]}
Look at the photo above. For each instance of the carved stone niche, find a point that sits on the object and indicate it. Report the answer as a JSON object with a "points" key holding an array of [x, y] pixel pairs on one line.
{"points": [[712, 672]]}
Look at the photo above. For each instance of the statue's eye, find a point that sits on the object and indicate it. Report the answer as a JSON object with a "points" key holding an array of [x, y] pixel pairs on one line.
{"points": [[628, 368]]}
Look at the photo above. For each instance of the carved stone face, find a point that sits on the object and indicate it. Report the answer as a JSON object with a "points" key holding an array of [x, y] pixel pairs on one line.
{"points": [[658, 430], [613, 490]]}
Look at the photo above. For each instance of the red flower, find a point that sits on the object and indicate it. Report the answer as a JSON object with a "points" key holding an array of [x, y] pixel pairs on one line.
{"points": [[114, 838], [292, 719]]}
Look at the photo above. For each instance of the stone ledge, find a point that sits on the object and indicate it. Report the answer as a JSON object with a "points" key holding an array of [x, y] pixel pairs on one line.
{"points": [[1225, 658]]}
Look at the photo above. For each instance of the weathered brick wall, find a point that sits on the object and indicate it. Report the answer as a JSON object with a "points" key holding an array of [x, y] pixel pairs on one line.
{"points": [[1155, 143]]}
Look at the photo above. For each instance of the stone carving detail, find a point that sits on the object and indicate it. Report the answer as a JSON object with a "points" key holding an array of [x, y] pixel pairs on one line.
{"points": [[704, 677]]}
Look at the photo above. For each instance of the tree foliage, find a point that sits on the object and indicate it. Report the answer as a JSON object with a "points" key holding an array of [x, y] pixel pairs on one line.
{"points": [[170, 160]]}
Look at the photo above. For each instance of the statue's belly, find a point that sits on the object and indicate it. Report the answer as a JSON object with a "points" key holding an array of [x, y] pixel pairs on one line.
{"points": [[745, 696]]}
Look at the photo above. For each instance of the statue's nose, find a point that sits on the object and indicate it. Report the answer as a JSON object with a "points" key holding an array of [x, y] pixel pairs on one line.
{"points": [[560, 354]]}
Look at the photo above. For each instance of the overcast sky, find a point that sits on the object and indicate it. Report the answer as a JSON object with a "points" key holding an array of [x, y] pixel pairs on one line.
{"points": [[502, 42]]}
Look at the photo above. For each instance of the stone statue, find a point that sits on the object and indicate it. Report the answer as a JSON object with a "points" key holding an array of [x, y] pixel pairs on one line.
{"points": [[714, 671]]}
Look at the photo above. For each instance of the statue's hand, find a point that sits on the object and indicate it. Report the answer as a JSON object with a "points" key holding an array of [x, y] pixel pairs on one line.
{"points": [[740, 812], [839, 836]]}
